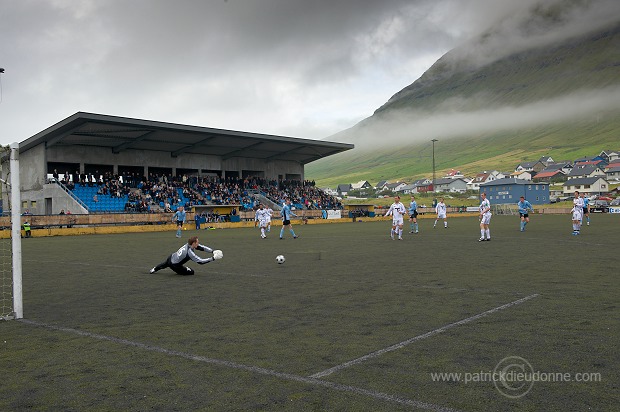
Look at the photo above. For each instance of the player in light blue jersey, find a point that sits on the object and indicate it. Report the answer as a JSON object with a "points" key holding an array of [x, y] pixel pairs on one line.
{"points": [[413, 215], [286, 219], [179, 219], [586, 208], [524, 208]]}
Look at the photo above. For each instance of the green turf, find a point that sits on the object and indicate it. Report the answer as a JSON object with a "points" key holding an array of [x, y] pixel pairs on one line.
{"points": [[135, 341]]}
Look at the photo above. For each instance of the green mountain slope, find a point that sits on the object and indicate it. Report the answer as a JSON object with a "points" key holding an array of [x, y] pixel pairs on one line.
{"points": [[586, 68]]}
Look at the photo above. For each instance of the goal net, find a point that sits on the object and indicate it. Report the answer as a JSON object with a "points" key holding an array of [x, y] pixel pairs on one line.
{"points": [[6, 275], [10, 235]]}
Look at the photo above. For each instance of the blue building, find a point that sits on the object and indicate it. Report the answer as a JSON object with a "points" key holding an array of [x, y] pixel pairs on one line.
{"points": [[509, 190]]}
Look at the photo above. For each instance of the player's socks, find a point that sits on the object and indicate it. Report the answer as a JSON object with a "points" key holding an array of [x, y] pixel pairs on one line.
{"points": [[481, 233], [293, 233], [281, 232], [488, 231], [416, 228], [262, 232], [445, 224], [435, 224]]}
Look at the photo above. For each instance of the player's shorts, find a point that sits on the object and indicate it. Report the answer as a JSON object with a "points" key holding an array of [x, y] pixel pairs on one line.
{"points": [[397, 221], [577, 214], [179, 223], [441, 215], [524, 215], [585, 210], [286, 222], [414, 214], [486, 219], [262, 223]]}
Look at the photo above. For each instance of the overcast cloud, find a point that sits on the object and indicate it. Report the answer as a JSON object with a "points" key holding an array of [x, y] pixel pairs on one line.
{"points": [[299, 68]]}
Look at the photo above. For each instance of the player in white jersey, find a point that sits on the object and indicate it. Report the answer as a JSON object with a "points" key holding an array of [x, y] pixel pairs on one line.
{"points": [[485, 218], [577, 213], [269, 215], [261, 219], [441, 213], [397, 210]]}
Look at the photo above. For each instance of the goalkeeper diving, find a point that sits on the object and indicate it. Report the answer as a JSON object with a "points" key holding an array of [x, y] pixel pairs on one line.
{"points": [[186, 253]]}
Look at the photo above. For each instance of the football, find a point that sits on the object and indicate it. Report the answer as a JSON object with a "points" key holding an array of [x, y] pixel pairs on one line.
{"points": [[280, 259]]}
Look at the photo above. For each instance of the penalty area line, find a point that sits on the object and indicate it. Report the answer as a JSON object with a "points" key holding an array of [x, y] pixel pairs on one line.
{"points": [[255, 369], [404, 343]]}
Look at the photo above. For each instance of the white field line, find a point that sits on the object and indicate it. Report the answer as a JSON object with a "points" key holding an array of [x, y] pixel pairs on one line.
{"points": [[254, 369], [402, 344]]}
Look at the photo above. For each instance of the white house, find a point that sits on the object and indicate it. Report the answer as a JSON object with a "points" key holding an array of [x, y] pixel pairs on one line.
{"points": [[585, 170], [587, 185], [410, 189], [454, 174], [396, 187], [450, 185], [610, 155], [484, 177], [546, 160], [535, 166], [362, 184], [613, 171], [343, 189], [521, 175], [381, 185]]}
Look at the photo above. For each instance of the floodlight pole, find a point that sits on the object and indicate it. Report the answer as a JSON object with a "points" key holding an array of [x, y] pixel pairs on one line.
{"points": [[16, 232], [434, 140]]}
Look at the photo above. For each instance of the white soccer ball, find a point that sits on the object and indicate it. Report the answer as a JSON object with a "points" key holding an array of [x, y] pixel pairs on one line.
{"points": [[218, 254], [280, 259]]}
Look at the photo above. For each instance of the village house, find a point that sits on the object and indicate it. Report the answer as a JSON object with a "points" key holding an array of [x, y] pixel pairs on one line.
{"points": [[589, 185]]}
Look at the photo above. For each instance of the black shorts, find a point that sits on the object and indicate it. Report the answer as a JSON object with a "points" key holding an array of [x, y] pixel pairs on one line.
{"points": [[286, 222], [585, 210], [525, 215], [413, 215], [179, 223]]}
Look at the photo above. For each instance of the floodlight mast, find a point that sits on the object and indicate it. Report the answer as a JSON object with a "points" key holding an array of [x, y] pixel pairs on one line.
{"points": [[434, 140]]}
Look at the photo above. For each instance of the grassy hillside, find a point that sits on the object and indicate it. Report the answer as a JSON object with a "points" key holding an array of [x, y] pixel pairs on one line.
{"points": [[590, 62], [499, 151]]}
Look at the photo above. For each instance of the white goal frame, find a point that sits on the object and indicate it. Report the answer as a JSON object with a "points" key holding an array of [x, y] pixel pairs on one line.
{"points": [[16, 241]]}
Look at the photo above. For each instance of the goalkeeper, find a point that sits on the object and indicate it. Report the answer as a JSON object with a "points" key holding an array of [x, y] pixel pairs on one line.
{"points": [[185, 254]]}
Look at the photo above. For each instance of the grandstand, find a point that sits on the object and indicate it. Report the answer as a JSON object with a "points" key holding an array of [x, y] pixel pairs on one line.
{"points": [[93, 163]]}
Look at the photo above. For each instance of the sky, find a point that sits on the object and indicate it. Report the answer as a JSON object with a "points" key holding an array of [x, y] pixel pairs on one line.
{"points": [[300, 68]]}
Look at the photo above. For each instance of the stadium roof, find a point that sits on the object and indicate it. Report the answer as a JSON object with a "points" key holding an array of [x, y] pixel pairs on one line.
{"points": [[121, 133]]}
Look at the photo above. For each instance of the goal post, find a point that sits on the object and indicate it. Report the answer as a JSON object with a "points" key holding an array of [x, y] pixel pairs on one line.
{"points": [[11, 274]]}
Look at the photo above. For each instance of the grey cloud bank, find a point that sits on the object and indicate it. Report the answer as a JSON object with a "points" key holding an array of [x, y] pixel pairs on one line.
{"points": [[289, 67]]}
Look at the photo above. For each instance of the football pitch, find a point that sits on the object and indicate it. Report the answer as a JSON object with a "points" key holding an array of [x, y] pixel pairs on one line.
{"points": [[351, 321]]}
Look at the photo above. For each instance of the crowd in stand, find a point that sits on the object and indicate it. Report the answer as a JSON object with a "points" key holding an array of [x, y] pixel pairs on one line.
{"points": [[162, 191]]}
